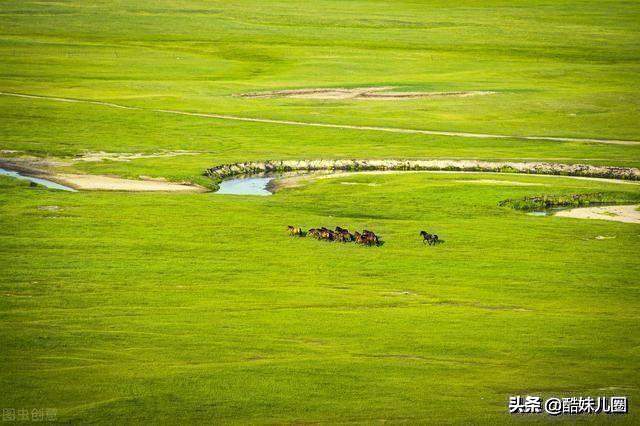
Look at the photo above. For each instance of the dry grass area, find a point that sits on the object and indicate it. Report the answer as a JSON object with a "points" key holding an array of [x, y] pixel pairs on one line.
{"points": [[383, 93]]}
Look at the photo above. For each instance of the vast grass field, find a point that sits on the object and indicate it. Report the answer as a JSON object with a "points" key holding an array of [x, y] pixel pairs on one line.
{"points": [[120, 307]]}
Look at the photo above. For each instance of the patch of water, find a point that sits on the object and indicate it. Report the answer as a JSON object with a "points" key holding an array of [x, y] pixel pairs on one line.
{"points": [[255, 185], [39, 181], [260, 184], [549, 212], [542, 213]]}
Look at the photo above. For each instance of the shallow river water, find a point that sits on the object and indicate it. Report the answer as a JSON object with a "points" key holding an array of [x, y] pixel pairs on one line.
{"points": [[253, 185], [39, 181]]}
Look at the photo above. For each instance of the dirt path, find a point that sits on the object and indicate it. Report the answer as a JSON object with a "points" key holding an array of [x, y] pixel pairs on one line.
{"points": [[327, 125], [626, 214]]}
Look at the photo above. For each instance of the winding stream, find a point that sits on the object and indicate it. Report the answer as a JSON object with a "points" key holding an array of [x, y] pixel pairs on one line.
{"points": [[39, 181]]}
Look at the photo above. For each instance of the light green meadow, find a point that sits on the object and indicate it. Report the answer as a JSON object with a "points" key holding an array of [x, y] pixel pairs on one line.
{"points": [[166, 308]]}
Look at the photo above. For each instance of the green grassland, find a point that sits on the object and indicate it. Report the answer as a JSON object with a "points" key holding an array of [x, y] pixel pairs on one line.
{"points": [[198, 308], [565, 67], [138, 307]]}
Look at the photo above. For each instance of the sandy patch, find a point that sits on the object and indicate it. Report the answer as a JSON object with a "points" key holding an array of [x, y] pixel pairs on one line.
{"points": [[331, 93], [109, 183], [124, 156], [372, 93], [626, 214], [391, 96]]}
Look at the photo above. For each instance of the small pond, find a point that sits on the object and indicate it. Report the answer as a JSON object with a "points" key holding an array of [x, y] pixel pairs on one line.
{"points": [[39, 181], [246, 185], [540, 213], [260, 184], [550, 212]]}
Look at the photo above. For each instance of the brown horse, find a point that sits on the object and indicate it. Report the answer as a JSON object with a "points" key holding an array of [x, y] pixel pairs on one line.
{"points": [[372, 238], [314, 233], [367, 238], [327, 234], [344, 235]]}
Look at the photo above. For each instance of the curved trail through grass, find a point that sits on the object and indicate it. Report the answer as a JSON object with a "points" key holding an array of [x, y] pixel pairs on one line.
{"points": [[328, 125]]}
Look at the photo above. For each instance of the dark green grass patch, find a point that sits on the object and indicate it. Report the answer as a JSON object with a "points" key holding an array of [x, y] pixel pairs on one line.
{"points": [[550, 201]]}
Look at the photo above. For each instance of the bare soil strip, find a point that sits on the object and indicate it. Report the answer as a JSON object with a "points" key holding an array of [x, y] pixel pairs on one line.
{"points": [[359, 93], [332, 126], [626, 214], [393, 96], [125, 156], [101, 183], [333, 93], [109, 183]]}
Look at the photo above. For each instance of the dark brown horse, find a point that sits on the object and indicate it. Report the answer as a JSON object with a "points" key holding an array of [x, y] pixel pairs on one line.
{"points": [[430, 239], [367, 238], [372, 238], [343, 235], [314, 233]]}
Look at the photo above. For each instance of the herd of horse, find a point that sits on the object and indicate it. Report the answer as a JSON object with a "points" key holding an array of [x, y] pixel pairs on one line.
{"points": [[341, 235], [366, 238]]}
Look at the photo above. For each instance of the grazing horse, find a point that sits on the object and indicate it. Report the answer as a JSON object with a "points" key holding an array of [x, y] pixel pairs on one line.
{"points": [[294, 231], [344, 235], [314, 233], [430, 239], [327, 234], [371, 238]]}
